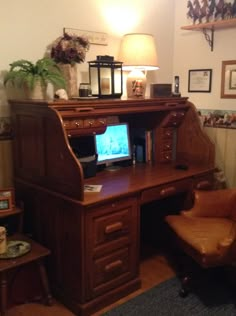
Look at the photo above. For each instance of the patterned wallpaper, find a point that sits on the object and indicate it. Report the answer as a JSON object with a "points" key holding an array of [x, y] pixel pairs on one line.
{"points": [[218, 118]]}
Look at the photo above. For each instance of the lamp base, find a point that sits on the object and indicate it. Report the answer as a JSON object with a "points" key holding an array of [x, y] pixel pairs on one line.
{"points": [[136, 84]]}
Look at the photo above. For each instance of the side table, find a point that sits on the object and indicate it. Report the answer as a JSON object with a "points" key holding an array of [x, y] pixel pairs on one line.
{"points": [[36, 254]]}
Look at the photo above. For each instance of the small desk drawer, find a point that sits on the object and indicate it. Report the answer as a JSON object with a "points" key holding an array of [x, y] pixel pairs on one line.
{"points": [[166, 145], [174, 119], [73, 123], [109, 227], [111, 271], [166, 156], [95, 122], [204, 182], [163, 191], [167, 133]]}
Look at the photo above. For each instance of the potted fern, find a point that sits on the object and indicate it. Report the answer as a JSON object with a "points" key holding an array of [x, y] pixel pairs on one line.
{"points": [[34, 78]]}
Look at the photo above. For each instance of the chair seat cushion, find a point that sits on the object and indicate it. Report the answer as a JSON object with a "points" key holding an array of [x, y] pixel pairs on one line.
{"points": [[207, 240]]}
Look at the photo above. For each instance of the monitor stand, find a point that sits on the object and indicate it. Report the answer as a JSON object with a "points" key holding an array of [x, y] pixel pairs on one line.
{"points": [[111, 167]]}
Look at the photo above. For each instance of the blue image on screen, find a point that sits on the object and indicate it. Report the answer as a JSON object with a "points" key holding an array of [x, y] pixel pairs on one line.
{"points": [[114, 144]]}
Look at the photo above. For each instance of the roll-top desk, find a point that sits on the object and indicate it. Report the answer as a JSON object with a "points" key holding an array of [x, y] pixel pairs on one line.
{"points": [[94, 237]]}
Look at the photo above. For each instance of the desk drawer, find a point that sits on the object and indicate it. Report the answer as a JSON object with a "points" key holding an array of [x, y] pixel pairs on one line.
{"points": [[167, 133], [174, 119], [163, 191], [111, 271], [166, 156], [112, 245], [166, 145], [203, 182], [111, 226]]}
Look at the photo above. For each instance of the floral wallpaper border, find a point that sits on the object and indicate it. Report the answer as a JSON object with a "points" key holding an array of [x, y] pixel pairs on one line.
{"points": [[218, 118], [5, 128]]}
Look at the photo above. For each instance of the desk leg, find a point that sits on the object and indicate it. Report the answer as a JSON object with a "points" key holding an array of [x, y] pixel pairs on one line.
{"points": [[3, 298], [44, 281]]}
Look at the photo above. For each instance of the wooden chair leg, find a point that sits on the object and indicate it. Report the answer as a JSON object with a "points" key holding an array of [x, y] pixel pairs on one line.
{"points": [[44, 282], [3, 284], [185, 286]]}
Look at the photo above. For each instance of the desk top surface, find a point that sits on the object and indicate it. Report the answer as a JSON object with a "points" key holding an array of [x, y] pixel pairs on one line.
{"points": [[136, 179]]}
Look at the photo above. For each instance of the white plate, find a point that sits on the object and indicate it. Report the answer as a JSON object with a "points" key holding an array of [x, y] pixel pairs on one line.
{"points": [[84, 98]]}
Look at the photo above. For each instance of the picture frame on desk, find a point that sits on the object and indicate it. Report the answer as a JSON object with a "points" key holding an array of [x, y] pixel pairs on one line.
{"points": [[7, 199], [199, 80], [228, 79]]}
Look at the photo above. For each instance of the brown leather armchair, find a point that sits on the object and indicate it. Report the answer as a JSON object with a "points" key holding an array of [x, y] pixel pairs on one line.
{"points": [[207, 232]]}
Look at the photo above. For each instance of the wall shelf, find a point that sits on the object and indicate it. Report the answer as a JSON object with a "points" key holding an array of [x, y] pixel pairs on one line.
{"points": [[209, 28]]}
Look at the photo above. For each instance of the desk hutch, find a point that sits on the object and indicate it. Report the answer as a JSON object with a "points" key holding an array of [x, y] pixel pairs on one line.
{"points": [[94, 237]]}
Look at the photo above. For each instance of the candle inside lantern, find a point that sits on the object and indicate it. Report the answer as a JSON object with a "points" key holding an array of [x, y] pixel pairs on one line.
{"points": [[3, 240], [105, 86]]}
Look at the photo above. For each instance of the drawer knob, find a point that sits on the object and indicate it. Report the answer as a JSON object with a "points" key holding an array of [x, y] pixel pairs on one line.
{"points": [[113, 227], [168, 191], [203, 184], [114, 265]]}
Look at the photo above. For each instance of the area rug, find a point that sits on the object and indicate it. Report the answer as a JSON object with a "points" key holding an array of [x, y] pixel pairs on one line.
{"points": [[208, 298]]}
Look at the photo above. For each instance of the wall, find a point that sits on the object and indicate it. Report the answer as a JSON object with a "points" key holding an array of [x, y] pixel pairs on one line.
{"points": [[191, 51], [29, 27], [224, 140]]}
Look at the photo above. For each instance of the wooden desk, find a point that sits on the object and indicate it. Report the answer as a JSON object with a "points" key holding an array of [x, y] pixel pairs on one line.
{"points": [[94, 237]]}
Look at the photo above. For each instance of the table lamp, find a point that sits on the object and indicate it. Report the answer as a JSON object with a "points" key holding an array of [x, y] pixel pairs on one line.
{"points": [[138, 54]]}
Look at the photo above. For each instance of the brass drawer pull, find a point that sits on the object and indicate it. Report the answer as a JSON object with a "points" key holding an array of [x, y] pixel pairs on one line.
{"points": [[203, 184], [114, 265], [168, 191], [113, 227]]}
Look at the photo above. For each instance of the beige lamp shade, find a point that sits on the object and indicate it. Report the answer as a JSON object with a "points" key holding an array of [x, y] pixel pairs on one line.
{"points": [[138, 50], [138, 54]]}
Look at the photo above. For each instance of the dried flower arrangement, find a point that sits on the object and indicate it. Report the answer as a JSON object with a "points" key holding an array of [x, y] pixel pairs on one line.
{"points": [[70, 49]]}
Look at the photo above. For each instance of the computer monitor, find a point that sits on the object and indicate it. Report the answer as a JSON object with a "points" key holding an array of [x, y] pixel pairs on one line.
{"points": [[113, 145]]}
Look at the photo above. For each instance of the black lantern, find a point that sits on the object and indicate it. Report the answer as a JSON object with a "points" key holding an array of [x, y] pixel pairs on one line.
{"points": [[106, 77]]}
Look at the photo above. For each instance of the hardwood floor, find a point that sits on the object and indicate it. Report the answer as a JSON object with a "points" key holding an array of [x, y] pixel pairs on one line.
{"points": [[155, 268]]}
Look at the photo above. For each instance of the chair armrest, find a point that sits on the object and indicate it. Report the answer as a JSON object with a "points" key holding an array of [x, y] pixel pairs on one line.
{"points": [[216, 203], [226, 243]]}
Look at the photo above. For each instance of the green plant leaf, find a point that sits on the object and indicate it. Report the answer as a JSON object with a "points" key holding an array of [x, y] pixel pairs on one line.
{"points": [[23, 72]]}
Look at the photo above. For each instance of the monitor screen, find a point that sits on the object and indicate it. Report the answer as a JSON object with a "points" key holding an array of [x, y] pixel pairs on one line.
{"points": [[114, 144]]}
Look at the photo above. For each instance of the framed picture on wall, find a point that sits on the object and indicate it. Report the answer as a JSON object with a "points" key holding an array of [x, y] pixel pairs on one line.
{"points": [[199, 80], [228, 79]]}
